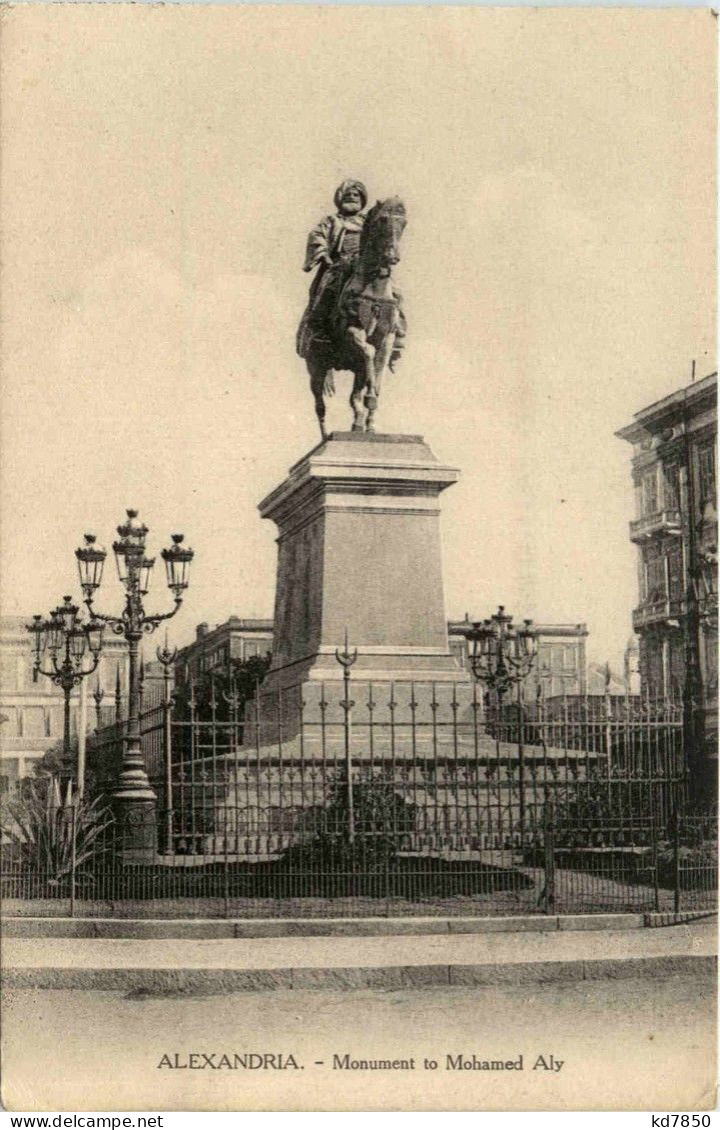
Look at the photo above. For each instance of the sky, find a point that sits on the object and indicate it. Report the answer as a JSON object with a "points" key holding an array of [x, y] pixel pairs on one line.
{"points": [[161, 170]]}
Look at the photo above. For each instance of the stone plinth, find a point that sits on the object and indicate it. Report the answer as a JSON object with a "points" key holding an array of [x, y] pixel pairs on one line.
{"points": [[359, 550]]}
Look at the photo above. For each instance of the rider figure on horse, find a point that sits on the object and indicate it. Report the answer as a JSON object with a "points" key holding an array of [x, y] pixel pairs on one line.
{"points": [[332, 247]]}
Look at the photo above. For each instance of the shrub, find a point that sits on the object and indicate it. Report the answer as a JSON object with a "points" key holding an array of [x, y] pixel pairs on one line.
{"points": [[368, 839], [613, 808], [37, 830], [242, 679]]}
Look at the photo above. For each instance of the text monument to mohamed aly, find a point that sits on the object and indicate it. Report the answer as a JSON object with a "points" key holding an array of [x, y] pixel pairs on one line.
{"points": [[358, 516]]}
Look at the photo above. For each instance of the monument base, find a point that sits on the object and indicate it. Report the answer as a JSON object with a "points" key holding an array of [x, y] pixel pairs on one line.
{"points": [[359, 560]]}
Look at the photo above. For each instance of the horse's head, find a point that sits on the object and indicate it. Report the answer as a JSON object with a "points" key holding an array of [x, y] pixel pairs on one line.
{"points": [[380, 238]]}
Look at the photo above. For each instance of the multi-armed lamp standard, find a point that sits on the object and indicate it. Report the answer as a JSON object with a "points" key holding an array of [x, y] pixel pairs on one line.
{"points": [[65, 640], [502, 654], [133, 794], [502, 657]]}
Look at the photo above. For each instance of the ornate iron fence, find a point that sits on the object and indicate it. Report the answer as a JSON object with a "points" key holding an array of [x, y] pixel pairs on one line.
{"points": [[558, 868], [385, 799]]}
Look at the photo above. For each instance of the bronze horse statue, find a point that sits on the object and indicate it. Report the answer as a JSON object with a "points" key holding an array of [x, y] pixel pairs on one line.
{"points": [[359, 325]]}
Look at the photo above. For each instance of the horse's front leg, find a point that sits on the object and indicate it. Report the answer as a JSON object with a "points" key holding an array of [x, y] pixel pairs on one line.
{"points": [[364, 375], [383, 354]]}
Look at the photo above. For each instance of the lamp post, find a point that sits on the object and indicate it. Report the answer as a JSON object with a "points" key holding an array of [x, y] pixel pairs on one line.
{"points": [[65, 640], [133, 795], [502, 658]]}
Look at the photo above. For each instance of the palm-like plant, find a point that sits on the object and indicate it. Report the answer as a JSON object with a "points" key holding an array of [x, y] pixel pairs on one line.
{"points": [[43, 834]]}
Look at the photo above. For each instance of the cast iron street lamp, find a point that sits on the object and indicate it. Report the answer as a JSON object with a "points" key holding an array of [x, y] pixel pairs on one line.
{"points": [[133, 795], [502, 658], [64, 638]]}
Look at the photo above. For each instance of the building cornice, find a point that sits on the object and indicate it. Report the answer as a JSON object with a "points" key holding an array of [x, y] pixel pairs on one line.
{"points": [[570, 631], [672, 408]]}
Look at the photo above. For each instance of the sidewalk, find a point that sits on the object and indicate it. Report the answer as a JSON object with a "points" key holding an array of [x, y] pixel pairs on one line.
{"points": [[390, 962]]}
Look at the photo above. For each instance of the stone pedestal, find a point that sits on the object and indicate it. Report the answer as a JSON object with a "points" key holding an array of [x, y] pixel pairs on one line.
{"points": [[358, 552]]}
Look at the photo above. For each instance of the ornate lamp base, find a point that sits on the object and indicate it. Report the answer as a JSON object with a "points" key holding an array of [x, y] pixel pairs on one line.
{"points": [[136, 821]]}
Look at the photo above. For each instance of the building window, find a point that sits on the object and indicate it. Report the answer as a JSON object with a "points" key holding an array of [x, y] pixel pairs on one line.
{"points": [[8, 674], [672, 491], [706, 471], [33, 722], [655, 670], [654, 570], [569, 657], [676, 674], [675, 573], [649, 492]]}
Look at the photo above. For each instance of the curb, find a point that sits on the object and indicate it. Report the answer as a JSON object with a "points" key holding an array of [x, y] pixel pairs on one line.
{"points": [[137, 928], [332, 927], [164, 981], [677, 918]]}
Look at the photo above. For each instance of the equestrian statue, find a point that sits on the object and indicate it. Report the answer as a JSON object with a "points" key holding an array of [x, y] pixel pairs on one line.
{"points": [[354, 319]]}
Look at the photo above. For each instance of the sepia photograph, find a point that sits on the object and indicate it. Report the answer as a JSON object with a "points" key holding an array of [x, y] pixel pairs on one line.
{"points": [[358, 635]]}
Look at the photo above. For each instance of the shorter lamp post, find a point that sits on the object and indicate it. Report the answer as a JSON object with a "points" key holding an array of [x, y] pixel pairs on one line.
{"points": [[502, 657], [133, 796], [65, 639]]}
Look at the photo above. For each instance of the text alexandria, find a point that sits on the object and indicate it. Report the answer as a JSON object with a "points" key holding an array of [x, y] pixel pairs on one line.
{"points": [[230, 1061]]}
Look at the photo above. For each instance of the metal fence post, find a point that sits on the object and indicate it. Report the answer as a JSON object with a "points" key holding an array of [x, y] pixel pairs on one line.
{"points": [[676, 858], [226, 873], [167, 752], [387, 885], [188, 818], [346, 660], [549, 856], [167, 659], [73, 852], [654, 859], [521, 762]]}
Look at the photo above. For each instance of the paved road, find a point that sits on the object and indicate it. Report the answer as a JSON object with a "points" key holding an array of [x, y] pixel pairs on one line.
{"points": [[626, 1044]]}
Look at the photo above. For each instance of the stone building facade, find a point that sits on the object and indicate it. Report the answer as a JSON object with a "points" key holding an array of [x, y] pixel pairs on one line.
{"points": [[675, 529], [215, 647], [32, 712], [560, 667]]}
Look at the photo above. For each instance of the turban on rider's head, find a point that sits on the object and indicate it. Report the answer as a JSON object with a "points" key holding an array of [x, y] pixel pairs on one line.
{"points": [[346, 184]]}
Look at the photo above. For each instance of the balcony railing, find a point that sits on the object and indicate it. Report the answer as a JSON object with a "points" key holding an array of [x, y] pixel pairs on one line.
{"points": [[657, 612], [661, 521]]}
